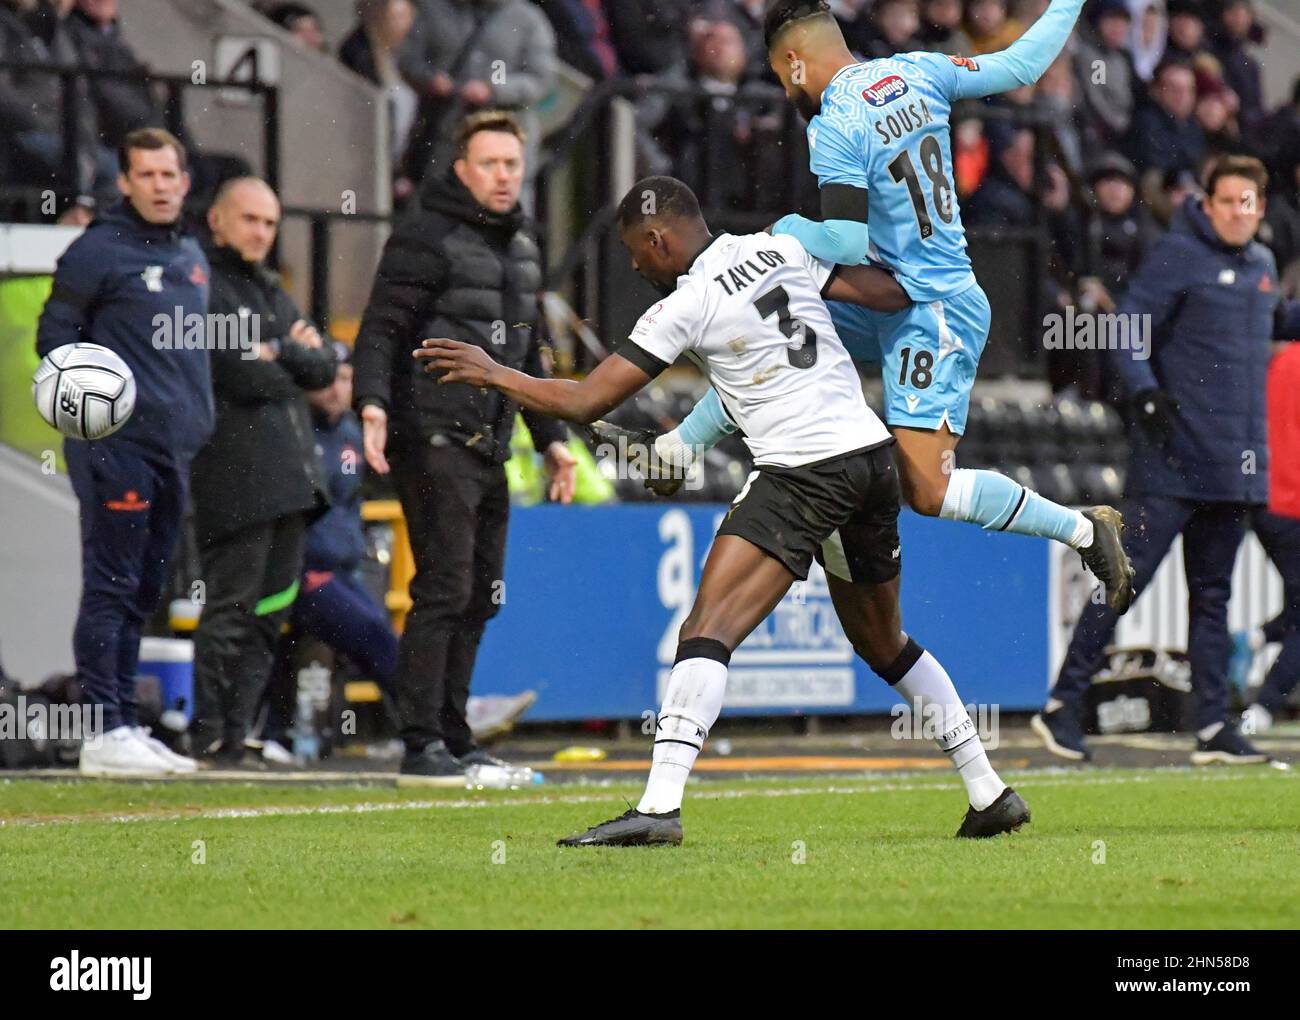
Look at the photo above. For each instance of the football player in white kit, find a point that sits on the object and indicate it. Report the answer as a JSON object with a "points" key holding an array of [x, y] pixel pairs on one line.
{"points": [[749, 311]]}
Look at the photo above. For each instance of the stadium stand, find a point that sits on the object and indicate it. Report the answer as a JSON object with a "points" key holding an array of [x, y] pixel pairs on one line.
{"points": [[1065, 186]]}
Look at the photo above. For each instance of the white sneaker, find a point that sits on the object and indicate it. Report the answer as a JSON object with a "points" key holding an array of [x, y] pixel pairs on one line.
{"points": [[121, 753], [177, 763], [1256, 719], [277, 754]]}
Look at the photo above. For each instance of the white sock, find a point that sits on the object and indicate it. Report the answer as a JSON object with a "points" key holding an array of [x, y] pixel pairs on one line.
{"points": [[691, 706], [673, 450], [925, 682], [1083, 534]]}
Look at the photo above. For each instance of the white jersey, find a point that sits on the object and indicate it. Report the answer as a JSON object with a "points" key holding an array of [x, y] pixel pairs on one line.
{"points": [[749, 312]]}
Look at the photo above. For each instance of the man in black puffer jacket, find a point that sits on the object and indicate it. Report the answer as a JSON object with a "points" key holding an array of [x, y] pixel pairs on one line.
{"points": [[257, 481], [461, 265]]}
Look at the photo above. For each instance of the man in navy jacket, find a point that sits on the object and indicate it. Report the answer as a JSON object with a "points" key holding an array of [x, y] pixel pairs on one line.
{"points": [[133, 282], [1199, 449]]}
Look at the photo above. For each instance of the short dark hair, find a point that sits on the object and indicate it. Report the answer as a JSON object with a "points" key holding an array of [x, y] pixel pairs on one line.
{"points": [[1170, 64], [657, 198], [1237, 166], [781, 13], [151, 138], [486, 120], [286, 14]]}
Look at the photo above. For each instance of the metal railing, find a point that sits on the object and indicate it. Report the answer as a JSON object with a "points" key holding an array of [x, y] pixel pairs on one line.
{"points": [[320, 247], [611, 116]]}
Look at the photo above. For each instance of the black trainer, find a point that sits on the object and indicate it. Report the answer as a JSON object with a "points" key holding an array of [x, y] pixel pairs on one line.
{"points": [[433, 766], [632, 828], [1062, 734], [1106, 557], [1228, 747], [220, 756], [1006, 814], [638, 445], [478, 756]]}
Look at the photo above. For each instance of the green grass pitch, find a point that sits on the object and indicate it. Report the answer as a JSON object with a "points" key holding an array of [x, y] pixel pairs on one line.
{"points": [[1107, 849]]}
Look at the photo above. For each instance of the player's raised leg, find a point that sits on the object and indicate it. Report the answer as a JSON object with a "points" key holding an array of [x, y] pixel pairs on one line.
{"points": [[931, 353], [740, 585], [935, 487]]}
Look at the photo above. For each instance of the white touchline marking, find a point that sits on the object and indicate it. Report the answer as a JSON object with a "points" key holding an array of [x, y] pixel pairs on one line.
{"points": [[1057, 777]]}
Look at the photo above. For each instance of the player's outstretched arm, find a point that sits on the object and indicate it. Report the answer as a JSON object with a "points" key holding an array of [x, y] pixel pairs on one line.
{"points": [[613, 381], [869, 286], [1021, 63], [835, 240]]}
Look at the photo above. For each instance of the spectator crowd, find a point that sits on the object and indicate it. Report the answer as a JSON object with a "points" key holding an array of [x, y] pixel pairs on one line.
{"points": [[1095, 161], [1097, 154]]}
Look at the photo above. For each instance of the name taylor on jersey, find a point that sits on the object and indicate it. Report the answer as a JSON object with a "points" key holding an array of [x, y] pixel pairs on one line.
{"points": [[744, 273]]}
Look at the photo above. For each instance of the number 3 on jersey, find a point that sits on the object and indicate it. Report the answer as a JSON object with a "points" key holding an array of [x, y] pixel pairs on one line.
{"points": [[802, 353], [901, 169]]}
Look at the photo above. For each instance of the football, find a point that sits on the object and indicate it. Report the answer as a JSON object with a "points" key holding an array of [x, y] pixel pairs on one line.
{"points": [[84, 390]]}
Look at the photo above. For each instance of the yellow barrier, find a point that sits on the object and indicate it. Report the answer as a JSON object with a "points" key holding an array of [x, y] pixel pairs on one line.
{"points": [[402, 567]]}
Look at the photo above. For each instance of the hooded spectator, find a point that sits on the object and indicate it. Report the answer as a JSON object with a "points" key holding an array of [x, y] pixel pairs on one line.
{"points": [[1147, 36], [1119, 230]]}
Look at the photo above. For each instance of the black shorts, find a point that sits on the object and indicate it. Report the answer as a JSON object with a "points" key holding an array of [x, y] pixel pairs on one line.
{"points": [[842, 511]]}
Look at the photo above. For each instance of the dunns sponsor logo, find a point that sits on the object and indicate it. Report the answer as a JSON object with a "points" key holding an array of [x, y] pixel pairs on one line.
{"points": [[885, 91], [75, 973]]}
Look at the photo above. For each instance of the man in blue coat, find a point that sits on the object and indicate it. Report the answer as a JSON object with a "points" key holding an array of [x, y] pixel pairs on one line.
{"points": [[1199, 449], [135, 283]]}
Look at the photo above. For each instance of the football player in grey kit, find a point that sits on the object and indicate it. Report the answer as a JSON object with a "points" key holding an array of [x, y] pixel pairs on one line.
{"points": [[750, 311]]}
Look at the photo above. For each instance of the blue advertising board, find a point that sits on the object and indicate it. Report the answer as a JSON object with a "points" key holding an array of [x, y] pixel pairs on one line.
{"points": [[594, 596]]}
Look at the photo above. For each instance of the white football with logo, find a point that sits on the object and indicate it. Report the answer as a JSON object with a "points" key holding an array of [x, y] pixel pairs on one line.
{"points": [[84, 390]]}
